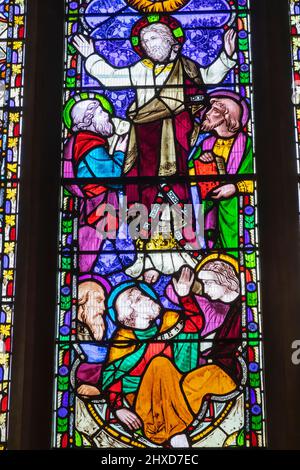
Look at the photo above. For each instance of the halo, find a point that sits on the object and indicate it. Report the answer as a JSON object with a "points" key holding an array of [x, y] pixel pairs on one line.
{"points": [[219, 257], [106, 105], [145, 21], [150, 6]]}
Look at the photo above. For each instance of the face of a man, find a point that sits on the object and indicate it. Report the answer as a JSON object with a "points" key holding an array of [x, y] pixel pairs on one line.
{"points": [[214, 118], [138, 310], [213, 290], [102, 122], [156, 46], [2, 92]]}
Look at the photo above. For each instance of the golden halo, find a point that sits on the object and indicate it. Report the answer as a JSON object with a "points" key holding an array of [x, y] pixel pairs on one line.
{"points": [[217, 256], [157, 6]]}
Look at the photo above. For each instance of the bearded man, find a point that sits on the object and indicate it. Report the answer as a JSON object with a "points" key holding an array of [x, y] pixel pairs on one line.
{"points": [[228, 151], [164, 81]]}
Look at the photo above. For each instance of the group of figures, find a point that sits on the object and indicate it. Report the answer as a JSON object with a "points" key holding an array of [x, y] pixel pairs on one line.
{"points": [[159, 315]]}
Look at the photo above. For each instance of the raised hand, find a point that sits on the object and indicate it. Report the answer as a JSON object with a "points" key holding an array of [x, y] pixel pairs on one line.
{"points": [[84, 45], [130, 419], [224, 192], [184, 284], [230, 42]]}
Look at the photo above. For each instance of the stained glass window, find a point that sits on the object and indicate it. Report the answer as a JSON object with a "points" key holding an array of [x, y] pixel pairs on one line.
{"points": [[12, 34], [295, 32], [159, 338]]}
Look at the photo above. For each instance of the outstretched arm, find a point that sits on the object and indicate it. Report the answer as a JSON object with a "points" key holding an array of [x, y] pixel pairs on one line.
{"points": [[97, 67], [217, 71]]}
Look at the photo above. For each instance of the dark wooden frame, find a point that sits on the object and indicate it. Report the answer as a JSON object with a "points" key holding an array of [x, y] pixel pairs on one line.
{"points": [[34, 331]]}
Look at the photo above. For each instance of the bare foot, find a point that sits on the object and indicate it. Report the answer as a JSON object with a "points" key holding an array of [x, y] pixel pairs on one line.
{"points": [[88, 391]]}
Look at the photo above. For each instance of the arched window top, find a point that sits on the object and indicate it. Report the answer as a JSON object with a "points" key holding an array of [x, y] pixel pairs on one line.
{"points": [[295, 42]]}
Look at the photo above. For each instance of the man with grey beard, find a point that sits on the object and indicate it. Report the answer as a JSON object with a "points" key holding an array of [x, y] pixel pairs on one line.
{"points": [[227, 151], [88, 154]]}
